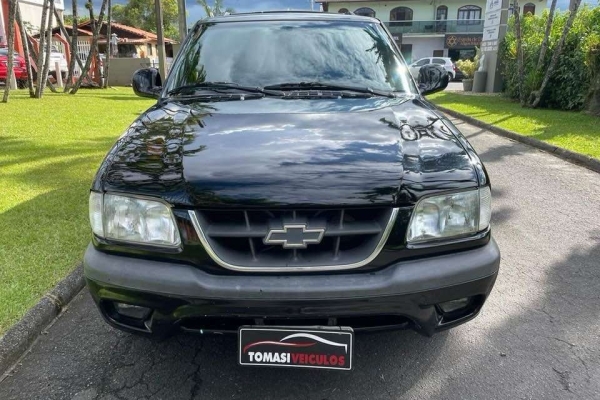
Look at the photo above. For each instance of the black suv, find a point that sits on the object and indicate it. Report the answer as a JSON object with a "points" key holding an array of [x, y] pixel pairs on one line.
{"points": [[292, 185]]}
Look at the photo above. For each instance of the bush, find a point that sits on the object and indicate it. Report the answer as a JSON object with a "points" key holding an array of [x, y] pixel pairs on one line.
{"points": [[467, 67], [574, 78]]}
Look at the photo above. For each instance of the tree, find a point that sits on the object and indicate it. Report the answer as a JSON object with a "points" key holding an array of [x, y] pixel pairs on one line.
{"points": [[27, 54], [521, 67], [11, 47], [69, 19], [141, 14], [544, 47], [536, 96], [216, 10], [96, 26], [43, 77]]}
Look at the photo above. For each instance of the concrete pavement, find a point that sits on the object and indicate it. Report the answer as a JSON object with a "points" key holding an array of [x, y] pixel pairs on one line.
{"points": [[537, 337]]}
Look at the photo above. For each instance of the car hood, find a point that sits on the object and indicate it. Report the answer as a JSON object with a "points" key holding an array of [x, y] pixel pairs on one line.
{"points": [[290, 153]]}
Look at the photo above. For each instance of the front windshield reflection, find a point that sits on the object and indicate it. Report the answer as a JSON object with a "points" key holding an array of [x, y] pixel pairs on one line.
{"points": [[273, 52]]}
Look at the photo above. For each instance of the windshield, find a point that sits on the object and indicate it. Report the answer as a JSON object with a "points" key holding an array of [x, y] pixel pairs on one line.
{"points": [[268, 53]]}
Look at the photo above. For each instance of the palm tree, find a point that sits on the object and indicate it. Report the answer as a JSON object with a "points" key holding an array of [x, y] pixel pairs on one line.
{"points": [[216, 10]]}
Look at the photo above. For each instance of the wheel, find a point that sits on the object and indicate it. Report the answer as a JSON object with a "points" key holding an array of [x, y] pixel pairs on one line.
{"points": [[21, 84]]}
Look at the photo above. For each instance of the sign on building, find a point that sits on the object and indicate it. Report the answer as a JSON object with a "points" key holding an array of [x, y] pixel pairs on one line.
{"points": [[453, 41], [491, 25]]}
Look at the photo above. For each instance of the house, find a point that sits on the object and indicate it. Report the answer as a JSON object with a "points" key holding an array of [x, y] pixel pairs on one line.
{"points": [[429, 28], [131, 42]]}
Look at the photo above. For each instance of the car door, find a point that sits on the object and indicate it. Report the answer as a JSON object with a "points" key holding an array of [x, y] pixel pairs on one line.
{"points": [[416, 66]]}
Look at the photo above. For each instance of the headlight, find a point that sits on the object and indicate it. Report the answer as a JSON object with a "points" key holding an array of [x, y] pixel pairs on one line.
{"points": [[451, 215], [130, 219]]}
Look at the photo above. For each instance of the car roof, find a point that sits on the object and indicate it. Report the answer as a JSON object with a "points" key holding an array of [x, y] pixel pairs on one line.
{"points": [[288, 16]]}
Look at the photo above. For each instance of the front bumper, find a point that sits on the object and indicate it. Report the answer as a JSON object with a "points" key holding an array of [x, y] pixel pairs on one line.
{"points": [[180, 296]]}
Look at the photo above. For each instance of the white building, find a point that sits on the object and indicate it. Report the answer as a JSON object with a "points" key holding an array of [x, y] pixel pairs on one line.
{"points": [[31, 12], [429, 28]]}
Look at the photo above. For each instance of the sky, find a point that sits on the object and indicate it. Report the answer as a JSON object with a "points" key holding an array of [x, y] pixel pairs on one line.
{"points": [[195, 11]]}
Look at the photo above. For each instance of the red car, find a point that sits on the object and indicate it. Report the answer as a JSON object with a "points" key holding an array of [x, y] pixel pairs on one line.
{"points": [[18, 66]]}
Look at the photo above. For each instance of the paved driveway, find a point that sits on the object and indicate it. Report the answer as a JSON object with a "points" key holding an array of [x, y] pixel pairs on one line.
{"points": [[538, 336]]}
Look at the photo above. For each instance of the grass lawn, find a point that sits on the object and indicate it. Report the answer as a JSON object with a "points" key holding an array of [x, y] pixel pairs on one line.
{"points": [[49, 152], [574, 131]]}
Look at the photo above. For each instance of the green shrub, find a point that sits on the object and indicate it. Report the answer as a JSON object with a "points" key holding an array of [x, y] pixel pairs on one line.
{"points": [[467, 67], [572, 81]]}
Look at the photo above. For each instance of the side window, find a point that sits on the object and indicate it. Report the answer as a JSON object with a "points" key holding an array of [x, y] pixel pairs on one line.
{"points": [[439, 61]]}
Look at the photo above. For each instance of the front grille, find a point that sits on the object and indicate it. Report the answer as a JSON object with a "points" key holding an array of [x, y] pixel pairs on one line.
{"points": [[293, 240]]}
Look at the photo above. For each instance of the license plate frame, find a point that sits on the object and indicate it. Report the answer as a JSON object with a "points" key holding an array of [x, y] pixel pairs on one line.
{"points": [[314, 347]]}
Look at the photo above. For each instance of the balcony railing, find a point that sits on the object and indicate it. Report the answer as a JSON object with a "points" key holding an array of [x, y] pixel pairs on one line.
{"points": [[436, 27]]}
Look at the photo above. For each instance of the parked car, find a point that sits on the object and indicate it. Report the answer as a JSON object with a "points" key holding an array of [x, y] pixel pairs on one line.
{"points": [[443, 61], [19, 68], [56, 56], [293, 193]]}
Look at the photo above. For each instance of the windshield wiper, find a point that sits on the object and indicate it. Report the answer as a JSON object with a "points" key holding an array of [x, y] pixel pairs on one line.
{"points": [[216, 86], [329, 86]]}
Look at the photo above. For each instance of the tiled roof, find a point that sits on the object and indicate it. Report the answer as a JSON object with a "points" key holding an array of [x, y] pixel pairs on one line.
{"points": [[140, 35]]}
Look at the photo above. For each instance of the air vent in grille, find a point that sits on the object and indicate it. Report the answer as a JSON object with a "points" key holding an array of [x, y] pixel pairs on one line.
{"points": [[293, 240]]}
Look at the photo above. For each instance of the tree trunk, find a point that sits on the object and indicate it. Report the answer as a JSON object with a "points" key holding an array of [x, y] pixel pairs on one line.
{"points": [[67, 37], [94, 46], [74, 55], [593, 103], [11, 48], [537, 95], [27, 53], [48, 34], [520, 66], [40, 55], [544, 46], [108, 44]]}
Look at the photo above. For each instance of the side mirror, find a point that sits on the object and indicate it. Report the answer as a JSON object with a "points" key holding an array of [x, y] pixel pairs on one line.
{"points": [[147, 83], [432, 78]]}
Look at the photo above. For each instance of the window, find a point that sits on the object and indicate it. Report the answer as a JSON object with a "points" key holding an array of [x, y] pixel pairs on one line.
{"points": [[366, 12], [441, 16], [438, 53], [149, 48], [343, 11], [421, 62], [469, 15], [401, 14], [439, 61], [442, 13], [529, 8]]}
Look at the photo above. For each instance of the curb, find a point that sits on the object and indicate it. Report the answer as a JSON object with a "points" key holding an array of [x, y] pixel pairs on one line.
{"points": [[20, 336], [567, 155]]}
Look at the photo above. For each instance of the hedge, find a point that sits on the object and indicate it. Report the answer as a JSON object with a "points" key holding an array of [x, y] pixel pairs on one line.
{"points": [[575, 82]]}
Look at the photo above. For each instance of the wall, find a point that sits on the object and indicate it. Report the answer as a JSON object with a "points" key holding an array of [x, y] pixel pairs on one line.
{"points": [[424, 46], [122, 69], [32, 13], [423, 10], [3, 20]]}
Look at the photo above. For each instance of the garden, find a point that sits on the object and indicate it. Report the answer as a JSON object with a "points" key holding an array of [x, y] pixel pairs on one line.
{"points": [[51, 150]]}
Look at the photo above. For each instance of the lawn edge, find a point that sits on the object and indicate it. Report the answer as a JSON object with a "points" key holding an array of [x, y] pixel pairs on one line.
{"points": [[562, 153], [18, 338]]}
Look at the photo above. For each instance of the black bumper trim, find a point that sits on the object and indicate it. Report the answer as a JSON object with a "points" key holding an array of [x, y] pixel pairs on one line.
{"points": [[181, 280]]}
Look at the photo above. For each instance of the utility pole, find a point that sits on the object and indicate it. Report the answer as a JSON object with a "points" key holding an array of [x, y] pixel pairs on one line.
{"points": [[182, 20], [162, 60]]}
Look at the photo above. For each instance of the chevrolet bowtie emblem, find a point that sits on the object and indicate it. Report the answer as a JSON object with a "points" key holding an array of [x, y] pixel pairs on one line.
{"points": [[294, 236]]}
